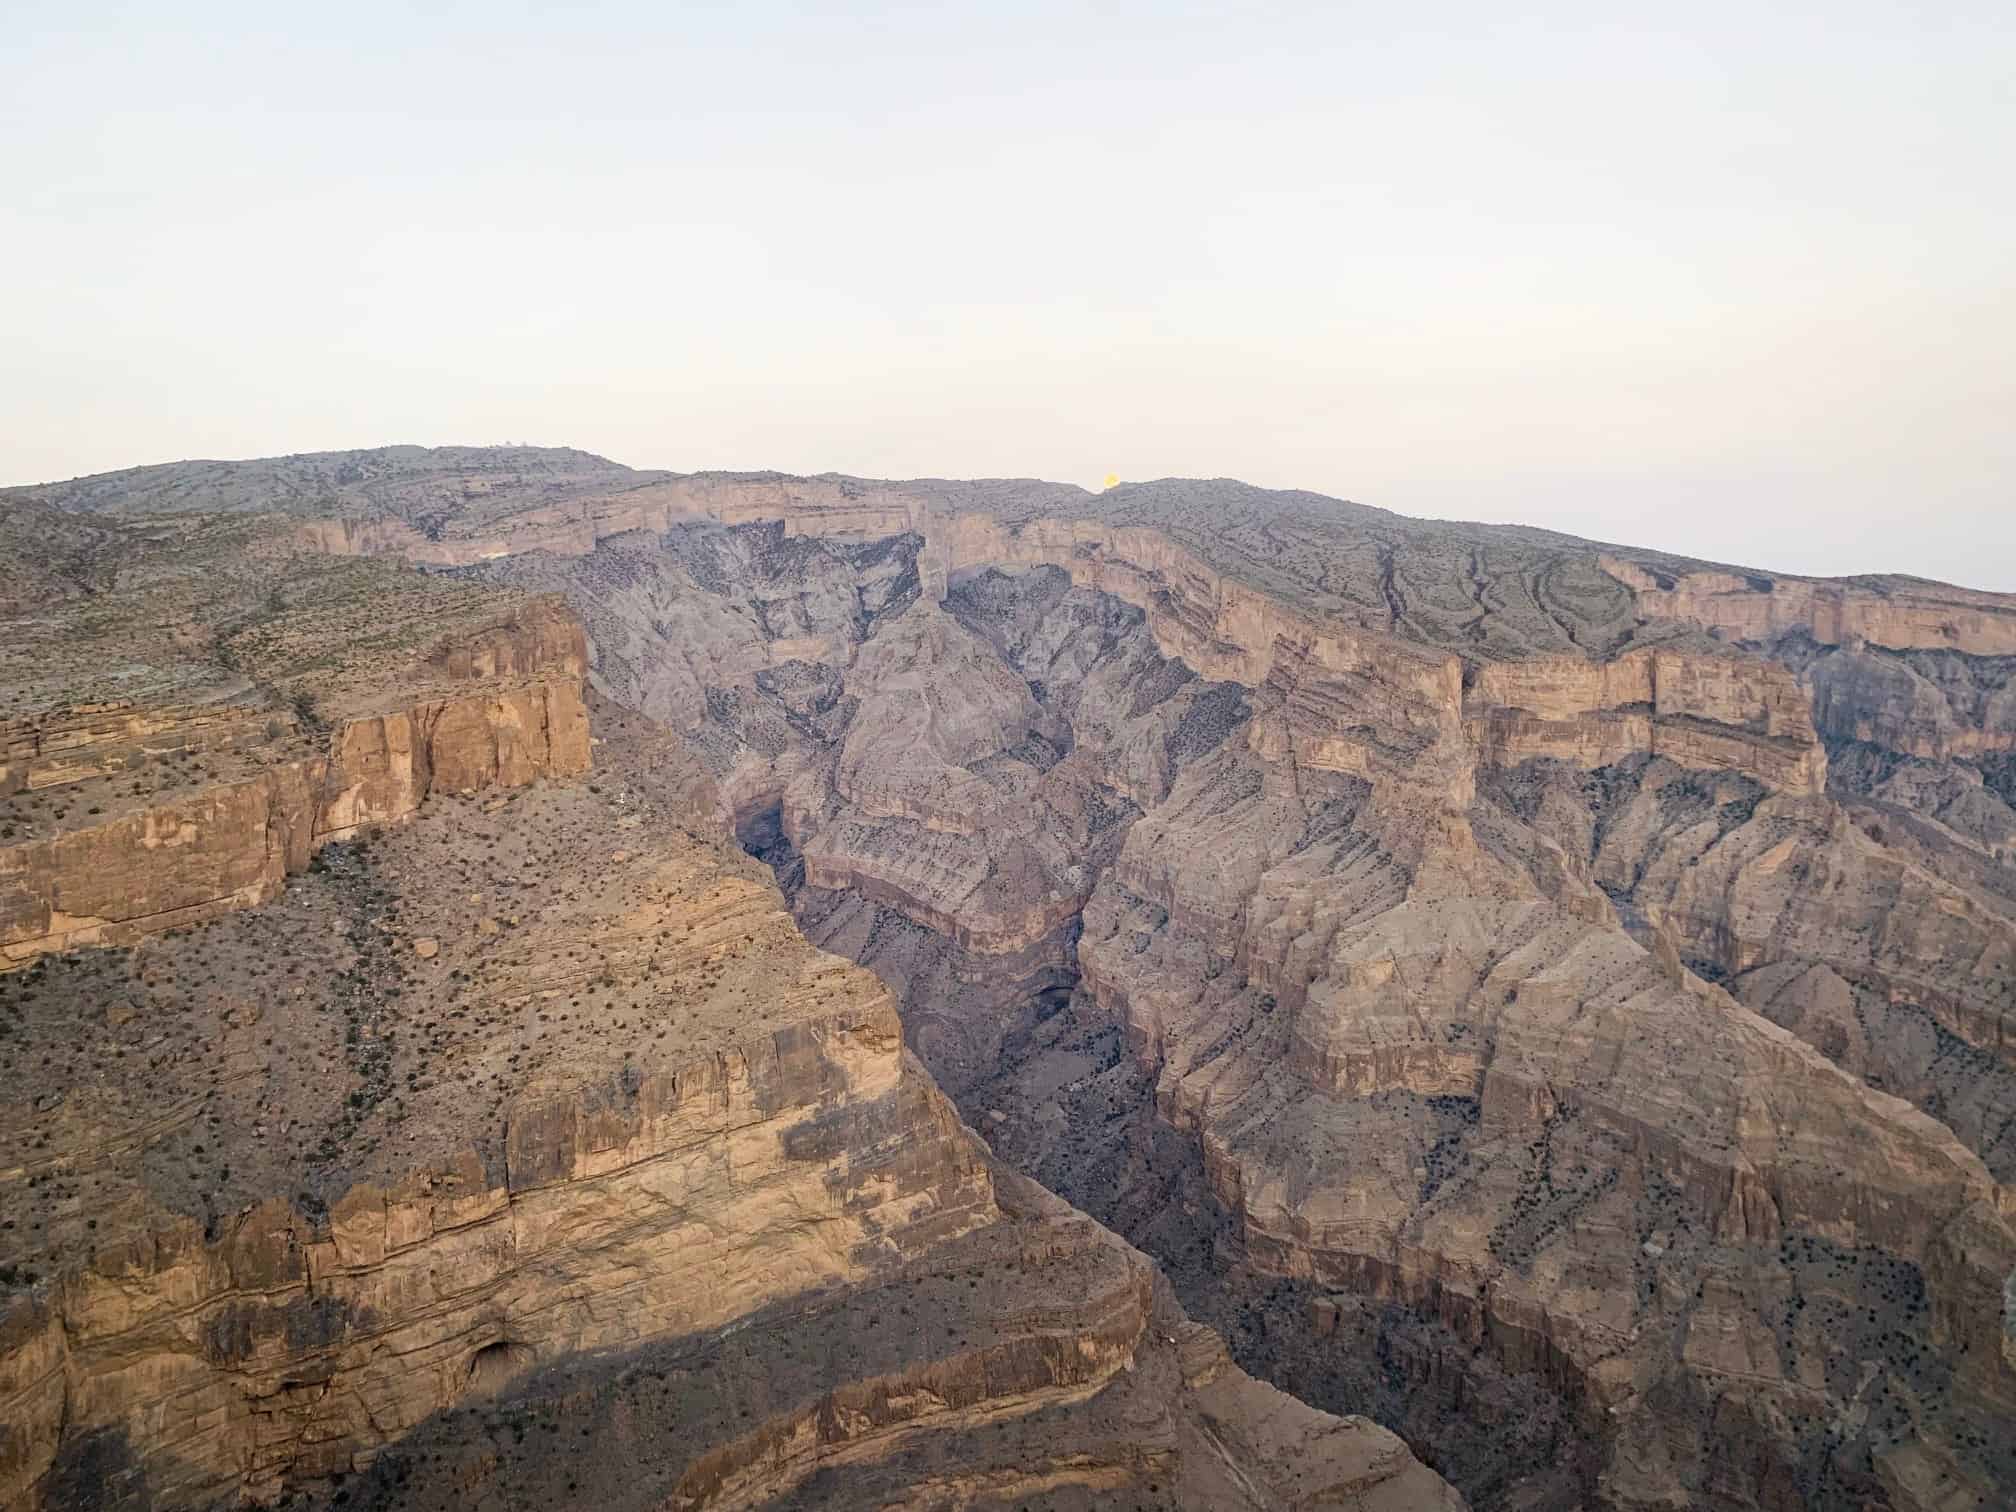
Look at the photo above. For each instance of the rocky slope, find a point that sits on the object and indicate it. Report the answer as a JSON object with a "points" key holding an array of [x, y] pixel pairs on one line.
{"points": [[403, 1111], [179, 739], [1554, 996]]}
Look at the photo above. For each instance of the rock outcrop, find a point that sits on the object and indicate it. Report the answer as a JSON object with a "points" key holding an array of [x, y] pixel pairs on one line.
{"points": [[1906, 614], [495, 705]]}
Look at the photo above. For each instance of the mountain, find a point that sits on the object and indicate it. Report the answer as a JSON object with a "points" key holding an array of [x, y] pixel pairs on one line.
{"points": [[1552, 998]]}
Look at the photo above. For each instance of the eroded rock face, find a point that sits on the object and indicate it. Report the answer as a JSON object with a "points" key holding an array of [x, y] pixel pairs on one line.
{"points": [[201, 848], [183, 738], [1905, 614], [1466, 981]]}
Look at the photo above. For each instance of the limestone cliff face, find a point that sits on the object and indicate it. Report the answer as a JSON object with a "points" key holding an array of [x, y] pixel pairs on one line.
{"points": [[1348, 702], [382, 767], [1930, 706], [1903, 613], [215, 850], [199, 848], [1705, 712]]}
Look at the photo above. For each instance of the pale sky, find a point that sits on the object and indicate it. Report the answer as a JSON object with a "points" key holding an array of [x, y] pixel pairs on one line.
{"points": [[1738, 281]]}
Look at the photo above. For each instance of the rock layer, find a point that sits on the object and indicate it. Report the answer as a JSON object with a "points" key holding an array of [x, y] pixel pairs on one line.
{"points": [[196, 850]]}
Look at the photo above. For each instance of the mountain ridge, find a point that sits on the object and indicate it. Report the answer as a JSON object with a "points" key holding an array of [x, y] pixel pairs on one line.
{"points": [[206, 484]]}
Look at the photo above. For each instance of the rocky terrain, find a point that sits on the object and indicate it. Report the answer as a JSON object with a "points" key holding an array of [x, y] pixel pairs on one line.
{"points": [[415, 1097], [1550, 997]]}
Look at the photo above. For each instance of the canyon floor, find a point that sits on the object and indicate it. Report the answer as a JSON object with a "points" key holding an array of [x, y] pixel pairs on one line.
{"points": [[537, 983]]}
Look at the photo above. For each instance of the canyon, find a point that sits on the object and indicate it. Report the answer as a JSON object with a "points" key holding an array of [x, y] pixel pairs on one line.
{"points": [[416, 1098], [1545, 1010]]}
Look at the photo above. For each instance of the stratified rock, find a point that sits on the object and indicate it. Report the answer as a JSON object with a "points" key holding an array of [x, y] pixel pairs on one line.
{"points": [[342, 700]]}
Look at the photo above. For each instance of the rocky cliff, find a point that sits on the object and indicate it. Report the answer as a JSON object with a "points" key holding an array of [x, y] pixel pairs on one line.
{"points": [[129, 853], [1904, 614]]}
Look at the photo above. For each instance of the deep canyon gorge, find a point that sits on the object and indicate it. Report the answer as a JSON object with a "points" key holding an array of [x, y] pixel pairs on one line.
{"points": [[532, 982]]}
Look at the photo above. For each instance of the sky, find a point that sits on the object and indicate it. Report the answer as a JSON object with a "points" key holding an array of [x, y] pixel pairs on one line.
{"points": [[1731, 280]]}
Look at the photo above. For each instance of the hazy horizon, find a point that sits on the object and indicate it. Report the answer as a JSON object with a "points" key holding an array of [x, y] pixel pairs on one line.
{"points": [[1741, 287]]}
